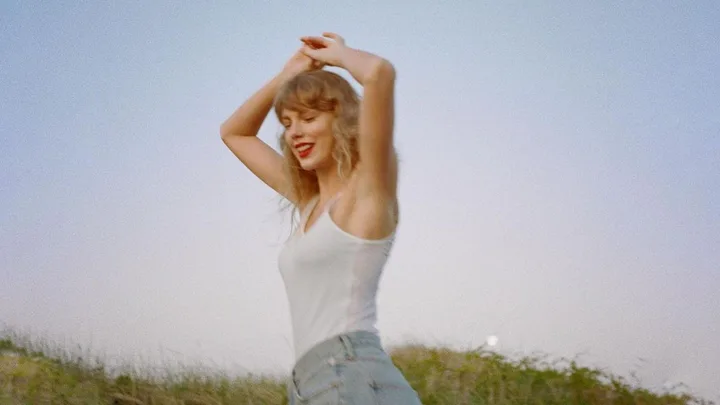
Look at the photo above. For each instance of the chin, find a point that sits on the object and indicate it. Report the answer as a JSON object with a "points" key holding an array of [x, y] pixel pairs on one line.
{"points": [[310, 166], [314, 164], [306, 167]]}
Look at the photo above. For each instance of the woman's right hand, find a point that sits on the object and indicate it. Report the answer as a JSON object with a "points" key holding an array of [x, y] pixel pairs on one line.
{"points": [[300, 63]]}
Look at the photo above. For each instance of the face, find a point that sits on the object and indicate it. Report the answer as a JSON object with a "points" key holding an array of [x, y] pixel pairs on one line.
{"points": [[308, 133]]}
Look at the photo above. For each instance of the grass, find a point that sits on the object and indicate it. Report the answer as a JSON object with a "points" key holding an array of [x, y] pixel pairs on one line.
{"points": [[37, 372]]}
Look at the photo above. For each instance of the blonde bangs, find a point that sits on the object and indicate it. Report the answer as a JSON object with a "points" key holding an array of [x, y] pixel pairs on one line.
{"points": [[305, 92]]}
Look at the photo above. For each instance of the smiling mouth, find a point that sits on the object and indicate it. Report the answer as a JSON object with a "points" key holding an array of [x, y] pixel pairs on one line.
{"points": [[304, 149]]}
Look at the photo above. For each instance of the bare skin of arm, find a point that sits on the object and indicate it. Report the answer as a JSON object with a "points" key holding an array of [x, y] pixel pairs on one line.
{"points": [[239, 131], [373, 211]]}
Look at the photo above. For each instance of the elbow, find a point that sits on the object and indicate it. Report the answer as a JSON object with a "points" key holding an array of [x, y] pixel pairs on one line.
{"points": [[224, 133], [382, 71]]}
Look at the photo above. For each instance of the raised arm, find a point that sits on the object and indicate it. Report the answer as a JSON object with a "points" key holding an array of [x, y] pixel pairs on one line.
{"points": [[239, 131], [377, 169]]}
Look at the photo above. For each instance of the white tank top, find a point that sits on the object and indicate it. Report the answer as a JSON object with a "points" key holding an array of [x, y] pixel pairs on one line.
{"points": [[331, 278]]}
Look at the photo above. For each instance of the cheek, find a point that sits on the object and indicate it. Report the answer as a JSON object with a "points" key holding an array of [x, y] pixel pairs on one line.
{"points": [[287, 146], [325, 132], [327, 141], [318, 129]]}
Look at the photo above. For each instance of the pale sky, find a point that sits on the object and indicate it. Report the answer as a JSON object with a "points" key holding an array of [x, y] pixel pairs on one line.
{"points": [[560, 179]]}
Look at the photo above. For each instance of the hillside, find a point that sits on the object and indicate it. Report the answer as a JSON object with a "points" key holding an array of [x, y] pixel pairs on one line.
{"points": [[36, 373]]}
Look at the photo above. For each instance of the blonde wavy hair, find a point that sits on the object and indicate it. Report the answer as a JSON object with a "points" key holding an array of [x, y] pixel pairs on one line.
{"points": [[328, 92]]}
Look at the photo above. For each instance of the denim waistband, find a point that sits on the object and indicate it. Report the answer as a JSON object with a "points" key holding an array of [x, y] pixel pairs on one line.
{"points": [[337, 348]]}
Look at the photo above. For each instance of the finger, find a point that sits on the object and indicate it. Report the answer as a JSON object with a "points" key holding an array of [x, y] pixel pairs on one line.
{"points": [[312, 53], [335, 37], [318, 42], [310, 44]]}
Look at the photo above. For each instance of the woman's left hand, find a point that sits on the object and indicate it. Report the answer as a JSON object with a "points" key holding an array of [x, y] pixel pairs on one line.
{"points": [[300, 63], [328, 51]]}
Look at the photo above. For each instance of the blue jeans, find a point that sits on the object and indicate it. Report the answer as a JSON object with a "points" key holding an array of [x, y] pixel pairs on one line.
{"points": [[351, 369]]}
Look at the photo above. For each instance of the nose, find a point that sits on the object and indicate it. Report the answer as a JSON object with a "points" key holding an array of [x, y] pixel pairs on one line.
{"points": [[293, 131]]}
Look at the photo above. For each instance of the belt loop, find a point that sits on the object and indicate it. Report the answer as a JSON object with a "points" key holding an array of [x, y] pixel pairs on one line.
{"points": [[296, 391], [347, 344]]}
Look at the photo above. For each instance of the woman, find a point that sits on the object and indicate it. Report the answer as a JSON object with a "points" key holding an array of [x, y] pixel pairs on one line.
{"points": [[338, 168]]}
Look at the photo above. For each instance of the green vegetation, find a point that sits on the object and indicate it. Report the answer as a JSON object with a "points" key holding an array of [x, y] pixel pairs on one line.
{"points": [[35, 373]]}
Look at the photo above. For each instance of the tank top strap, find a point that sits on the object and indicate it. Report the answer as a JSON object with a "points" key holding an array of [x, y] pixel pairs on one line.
{"points": [[332, 201], [308, 209]]}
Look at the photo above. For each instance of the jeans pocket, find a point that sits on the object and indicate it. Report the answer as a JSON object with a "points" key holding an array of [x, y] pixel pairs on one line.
{"points": [[322, 389], [386, 394], [325, 395], [389, 386]]}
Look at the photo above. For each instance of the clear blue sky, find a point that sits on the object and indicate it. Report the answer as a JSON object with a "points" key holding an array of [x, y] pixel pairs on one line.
{"points": [[560, 182]]}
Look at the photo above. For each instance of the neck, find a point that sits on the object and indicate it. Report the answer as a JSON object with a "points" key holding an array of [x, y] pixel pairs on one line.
{"points": [[329, 182]]}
